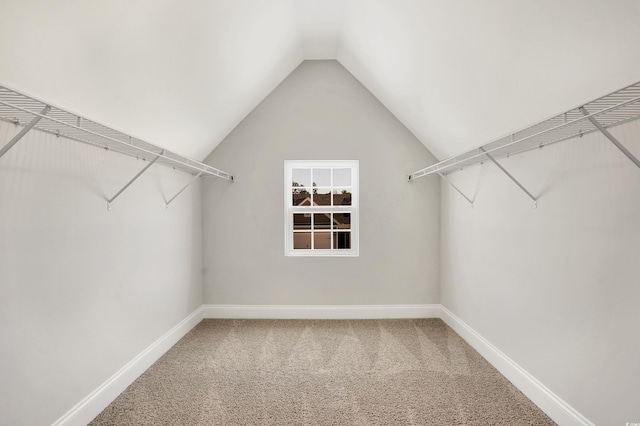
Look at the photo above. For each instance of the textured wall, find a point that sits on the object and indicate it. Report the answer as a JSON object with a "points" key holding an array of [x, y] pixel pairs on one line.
{"points": [[321, 112], [556, 288], [84, 290]]}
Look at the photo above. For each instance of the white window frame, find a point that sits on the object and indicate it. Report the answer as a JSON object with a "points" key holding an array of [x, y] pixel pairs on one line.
{"points": [[290, 209]]}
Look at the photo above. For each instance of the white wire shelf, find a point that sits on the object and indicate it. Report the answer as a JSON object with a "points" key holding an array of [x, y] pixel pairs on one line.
{"points": [[611, 110], [23, 110]]}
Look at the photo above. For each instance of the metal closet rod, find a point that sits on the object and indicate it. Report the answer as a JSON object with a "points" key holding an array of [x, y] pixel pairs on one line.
{"points": [[613, 109], [182, 163], [479, 154]]}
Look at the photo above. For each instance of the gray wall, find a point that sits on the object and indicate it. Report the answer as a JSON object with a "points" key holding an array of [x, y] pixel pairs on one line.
{"points": [[83, 290], [555, 288], [321, 112]]}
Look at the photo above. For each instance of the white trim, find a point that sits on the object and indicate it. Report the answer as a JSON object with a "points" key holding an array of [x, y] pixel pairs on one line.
{"points": [[556, 408], [290, 209], [87, 409], [321, 311]]}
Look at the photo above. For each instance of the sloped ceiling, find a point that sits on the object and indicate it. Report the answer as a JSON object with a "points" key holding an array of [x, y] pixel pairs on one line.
{"points": [[183, 74]]}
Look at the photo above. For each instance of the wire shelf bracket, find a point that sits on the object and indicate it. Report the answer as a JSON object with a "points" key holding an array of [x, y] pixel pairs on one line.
{"points": [[443, 176], [185, 187], [493, 160], [609, 136], [24, 131], [31, 113], [110, 200], [599, 115]]}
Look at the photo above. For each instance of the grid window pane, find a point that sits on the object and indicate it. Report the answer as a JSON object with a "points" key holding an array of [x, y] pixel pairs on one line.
{"points": [[321, 196], [301, 177], [301, 240], [322, 177], [342, 197], [342, 220], [301, 221], [342, 240], [322, 208], [341, 177], [301, 198], [322, 221], [322, 240]]}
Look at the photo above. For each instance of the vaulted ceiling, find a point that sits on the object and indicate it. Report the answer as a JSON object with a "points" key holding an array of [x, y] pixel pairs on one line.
{"points": [[183, 74]]}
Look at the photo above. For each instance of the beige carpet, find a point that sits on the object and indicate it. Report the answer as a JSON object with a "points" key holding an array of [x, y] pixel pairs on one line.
{"points": [[294, 372]]}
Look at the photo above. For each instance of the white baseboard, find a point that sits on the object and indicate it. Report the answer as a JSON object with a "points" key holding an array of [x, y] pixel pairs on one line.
{"points": [[558, 410], [321, 311], [87, 409]]}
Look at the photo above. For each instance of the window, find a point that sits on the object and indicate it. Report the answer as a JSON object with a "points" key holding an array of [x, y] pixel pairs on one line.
{"points": [[321, 208]]}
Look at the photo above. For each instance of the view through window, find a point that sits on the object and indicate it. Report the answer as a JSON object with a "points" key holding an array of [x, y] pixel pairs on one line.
{"points": [[321, 204]]}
